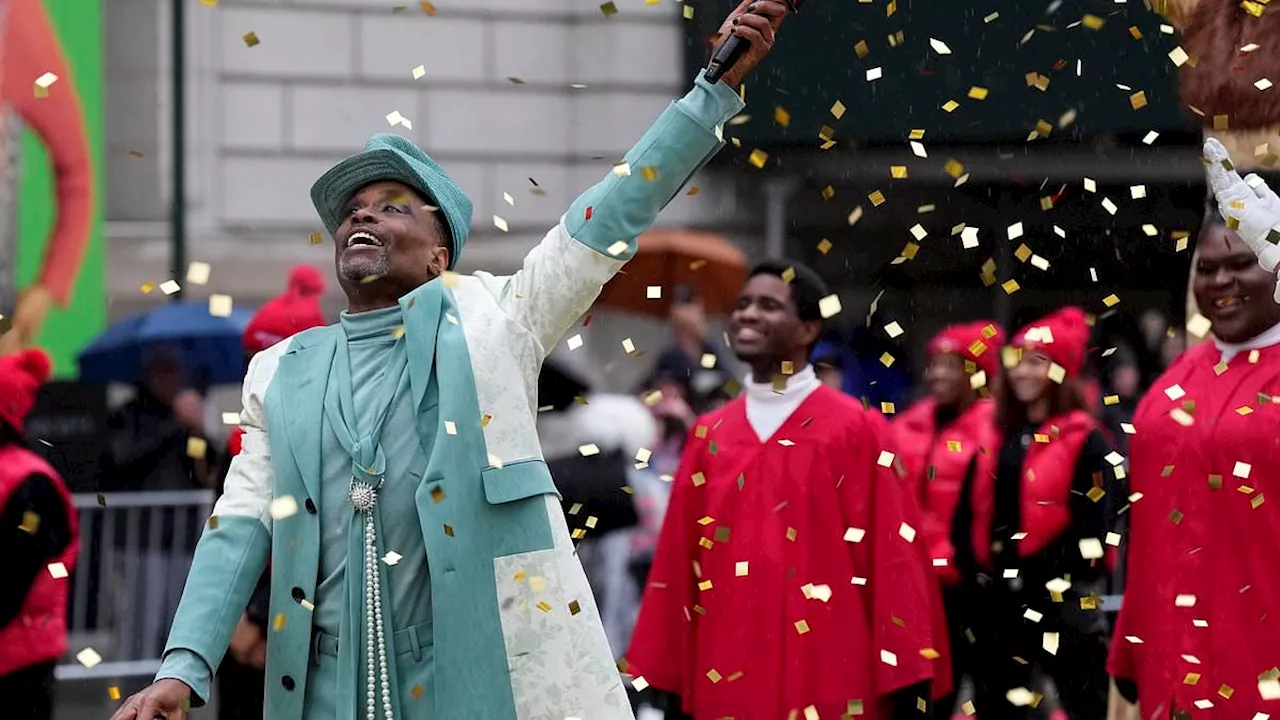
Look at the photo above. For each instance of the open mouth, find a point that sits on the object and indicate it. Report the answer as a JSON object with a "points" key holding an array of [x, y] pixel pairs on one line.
{"points": [[362, 238], [747, 335], [1229, 303]]}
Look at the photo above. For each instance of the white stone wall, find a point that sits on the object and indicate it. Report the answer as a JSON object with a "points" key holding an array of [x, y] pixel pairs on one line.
{"points": [[266, 121]]}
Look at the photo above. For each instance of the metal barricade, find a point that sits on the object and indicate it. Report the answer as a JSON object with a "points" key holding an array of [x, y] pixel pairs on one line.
{"points": [[135, 551]]}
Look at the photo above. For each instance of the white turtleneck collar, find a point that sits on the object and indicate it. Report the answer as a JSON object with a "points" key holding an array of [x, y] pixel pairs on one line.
{"points": [[768, 408], [1264, 339]]}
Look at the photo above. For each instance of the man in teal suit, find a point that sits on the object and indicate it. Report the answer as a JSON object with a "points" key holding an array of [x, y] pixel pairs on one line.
{"points": [[421, 564]]}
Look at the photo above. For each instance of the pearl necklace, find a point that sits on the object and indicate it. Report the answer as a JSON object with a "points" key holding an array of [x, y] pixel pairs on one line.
{"points": [[364, 497]]}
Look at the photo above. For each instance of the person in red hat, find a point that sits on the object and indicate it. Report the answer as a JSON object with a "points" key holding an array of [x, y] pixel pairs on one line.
{"points": [[38, 544], [288, 314], [937, 440], [241, 678], [1030, 533]]}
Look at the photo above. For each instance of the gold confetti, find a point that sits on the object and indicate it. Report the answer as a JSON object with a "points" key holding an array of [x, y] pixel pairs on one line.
{"points": [[782, 117], [791, 534], [609, 9], [828, 192], [1093, 22], [824, 246], [1221, 122], [876, 198], [251, 39], [1138, 100], [448, 530], [898, 172], [802, 627], [196, 447], [213, 522], [113, 692], [688, 15], [574, 607], [1010, 286], [649, 173], [758, 158], [714, 676], [699, 479], [1111, 300], [950, 106], [30, 522], [886, 359], [427, 7], [978, 93]]}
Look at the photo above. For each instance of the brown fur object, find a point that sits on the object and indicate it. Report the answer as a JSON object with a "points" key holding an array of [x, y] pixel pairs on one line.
{"points": [[1222, 83]]}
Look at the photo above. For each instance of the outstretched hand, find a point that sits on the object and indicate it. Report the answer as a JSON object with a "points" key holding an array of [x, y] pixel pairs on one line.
{"points": [[755, 21], [1250, 207], [166, 698]]}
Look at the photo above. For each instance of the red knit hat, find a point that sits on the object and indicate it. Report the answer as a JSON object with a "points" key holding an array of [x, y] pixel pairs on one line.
{"points": [[21, 375], [296, 310], [1063, 335], [978, 342]]}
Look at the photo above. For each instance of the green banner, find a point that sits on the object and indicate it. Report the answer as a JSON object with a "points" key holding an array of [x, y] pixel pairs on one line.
{"points": [[77, 25]]}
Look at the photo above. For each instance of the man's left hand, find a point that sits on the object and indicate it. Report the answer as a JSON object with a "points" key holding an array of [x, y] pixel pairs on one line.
{"points": [[755, 21]]}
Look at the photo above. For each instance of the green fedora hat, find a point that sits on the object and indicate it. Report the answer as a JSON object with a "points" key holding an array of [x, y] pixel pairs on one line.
{"points": [[388, 156]]}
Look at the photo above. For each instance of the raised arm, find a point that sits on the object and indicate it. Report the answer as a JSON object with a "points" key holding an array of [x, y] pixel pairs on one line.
{"points": [[564, 274]]}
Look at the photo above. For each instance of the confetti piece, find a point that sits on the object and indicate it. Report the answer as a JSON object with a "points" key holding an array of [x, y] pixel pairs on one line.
{"points": [[1138, 100], [1178, 56], [609, 9], [1109, 206], [939, 46], [220, 305], [1263, 84], [758, 158], [950, 106], [450, 427], [1137, 192], [113, 692], [168, 287], [392, 557], [419, 71], [1091, 548], [888, 658], [628, 346], [588, 450], [250, 39], [1185, 601], [197, 447], [885, 459], [978, 93], [893, 329], [1010, 286], [829, 306], [906, 532], [283, 507], [57, 570], [427, 7], [874, 74], [88, 657]]}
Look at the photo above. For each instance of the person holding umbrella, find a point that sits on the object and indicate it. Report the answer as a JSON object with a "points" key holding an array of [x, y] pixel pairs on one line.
{"points": [[421, 564]]}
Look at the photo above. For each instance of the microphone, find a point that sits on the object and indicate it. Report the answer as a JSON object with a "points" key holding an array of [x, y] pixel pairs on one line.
{"points": [[732, 49]]}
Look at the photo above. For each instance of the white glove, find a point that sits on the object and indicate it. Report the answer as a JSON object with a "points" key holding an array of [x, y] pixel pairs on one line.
{"points": [[1248, 205]]}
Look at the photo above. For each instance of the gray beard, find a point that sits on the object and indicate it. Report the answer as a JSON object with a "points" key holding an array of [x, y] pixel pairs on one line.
{"points": [[357, 272]]}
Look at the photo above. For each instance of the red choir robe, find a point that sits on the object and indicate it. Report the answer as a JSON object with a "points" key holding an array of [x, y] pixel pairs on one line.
{"points": [[788, 577], [1200, 625]]}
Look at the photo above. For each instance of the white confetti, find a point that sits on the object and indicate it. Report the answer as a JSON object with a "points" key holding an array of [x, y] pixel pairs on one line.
{"points": [[392, 557], [1109, 206], [917, 147], [499, 223], [907, 532], [829, 306], [854, 535], [969, 237], [1015, 231], [198, 273], [885, 459], [1090, 185], [1137, 192], [1185, 601], [874, 74], [888, 658], [588, 450], [283, 507], [57, 570], [88, 657], [574, 342], [231, 418], [220, 305], [419, 71], [918, 232], [1091, 548], [939, 46], [169, 287], [44, 81], [1150, 137]]}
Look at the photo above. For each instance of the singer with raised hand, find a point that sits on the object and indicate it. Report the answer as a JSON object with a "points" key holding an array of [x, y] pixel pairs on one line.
{"points": [[390, 468]]}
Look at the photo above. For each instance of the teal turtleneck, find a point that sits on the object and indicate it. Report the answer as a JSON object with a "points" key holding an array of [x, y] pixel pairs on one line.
{"points": [[371, 339]]}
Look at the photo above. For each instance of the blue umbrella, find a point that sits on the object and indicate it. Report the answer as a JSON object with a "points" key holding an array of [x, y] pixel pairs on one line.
{"points": [[210, 345]]}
